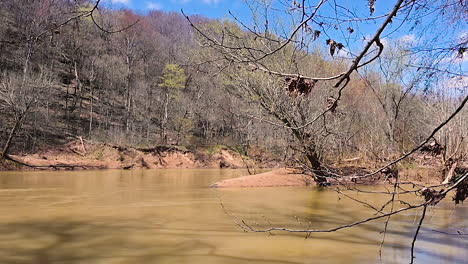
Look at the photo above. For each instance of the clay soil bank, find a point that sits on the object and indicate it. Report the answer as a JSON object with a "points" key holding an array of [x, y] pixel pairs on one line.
{"points": [[78, 156]]}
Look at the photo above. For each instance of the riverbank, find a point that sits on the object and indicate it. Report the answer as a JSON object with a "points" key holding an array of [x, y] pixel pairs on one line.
{"points": [[274, 178], [83, 155], [294, 177]]}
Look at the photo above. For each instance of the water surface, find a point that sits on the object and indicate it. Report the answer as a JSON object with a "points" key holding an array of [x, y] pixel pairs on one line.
{"points": [[170, 216]]}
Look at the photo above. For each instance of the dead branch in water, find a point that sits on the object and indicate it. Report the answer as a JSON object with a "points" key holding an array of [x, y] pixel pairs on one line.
{"points": [[417, 232], [457, 232], [52, 166]]}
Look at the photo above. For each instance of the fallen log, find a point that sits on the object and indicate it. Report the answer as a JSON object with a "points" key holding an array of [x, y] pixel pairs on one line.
{"points": [[450, 173], [51, 166], [128, 167]]}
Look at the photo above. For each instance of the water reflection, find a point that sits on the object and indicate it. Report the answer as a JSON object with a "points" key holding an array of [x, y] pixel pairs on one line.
{"points": [[169, 216]]}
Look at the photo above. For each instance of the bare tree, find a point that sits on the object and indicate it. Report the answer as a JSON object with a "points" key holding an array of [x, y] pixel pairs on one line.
{"points": [[18, 95]]}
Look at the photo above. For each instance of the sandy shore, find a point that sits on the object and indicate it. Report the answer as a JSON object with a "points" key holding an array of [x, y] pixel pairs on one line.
{"points": [[275, 178]]}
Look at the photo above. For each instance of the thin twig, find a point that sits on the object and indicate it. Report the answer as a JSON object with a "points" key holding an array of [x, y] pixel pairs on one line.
{"points": [[417, 232], [388, 218]]}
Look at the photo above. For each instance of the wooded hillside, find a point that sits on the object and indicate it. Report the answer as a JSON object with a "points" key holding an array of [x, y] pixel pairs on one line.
{"points": [[150, 79]]}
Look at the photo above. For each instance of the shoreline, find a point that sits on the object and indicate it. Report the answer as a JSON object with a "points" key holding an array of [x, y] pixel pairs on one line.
{"points": [[275, 178], [288, 177], [86, 155], [77, 155]]}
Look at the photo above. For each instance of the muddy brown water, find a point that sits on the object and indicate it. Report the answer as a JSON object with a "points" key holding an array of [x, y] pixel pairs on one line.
{"points": [[170, 216]]}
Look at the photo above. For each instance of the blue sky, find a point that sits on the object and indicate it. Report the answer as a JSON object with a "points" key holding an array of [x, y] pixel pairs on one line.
{"points": [[221, 8], [208, 8], [353, 42]]}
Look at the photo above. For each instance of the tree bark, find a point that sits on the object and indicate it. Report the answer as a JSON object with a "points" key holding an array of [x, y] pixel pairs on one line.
{"points": [[12, 134], [165, 119]]}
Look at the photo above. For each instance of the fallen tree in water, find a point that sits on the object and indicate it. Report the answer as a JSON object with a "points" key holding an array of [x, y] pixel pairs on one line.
{"points": [[57, 166]]}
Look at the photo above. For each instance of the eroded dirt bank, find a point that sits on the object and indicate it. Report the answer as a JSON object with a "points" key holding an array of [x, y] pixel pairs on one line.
{"points": [[83, 155]]}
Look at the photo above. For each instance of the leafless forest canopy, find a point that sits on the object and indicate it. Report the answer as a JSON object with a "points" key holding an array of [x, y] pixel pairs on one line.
{"points": [[77, 68]]}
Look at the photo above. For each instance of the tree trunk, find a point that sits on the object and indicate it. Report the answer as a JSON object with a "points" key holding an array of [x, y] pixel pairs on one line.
{"points": [[312, 157], [309, 149], [12, 134], [165, 118], [90, 132]]}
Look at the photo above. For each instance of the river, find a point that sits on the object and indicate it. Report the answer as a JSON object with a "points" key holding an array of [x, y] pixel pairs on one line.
{"points": [[171, 216]]}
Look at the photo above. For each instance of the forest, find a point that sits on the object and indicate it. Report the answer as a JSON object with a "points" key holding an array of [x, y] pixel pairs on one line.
{"points": [[77, 68]]}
